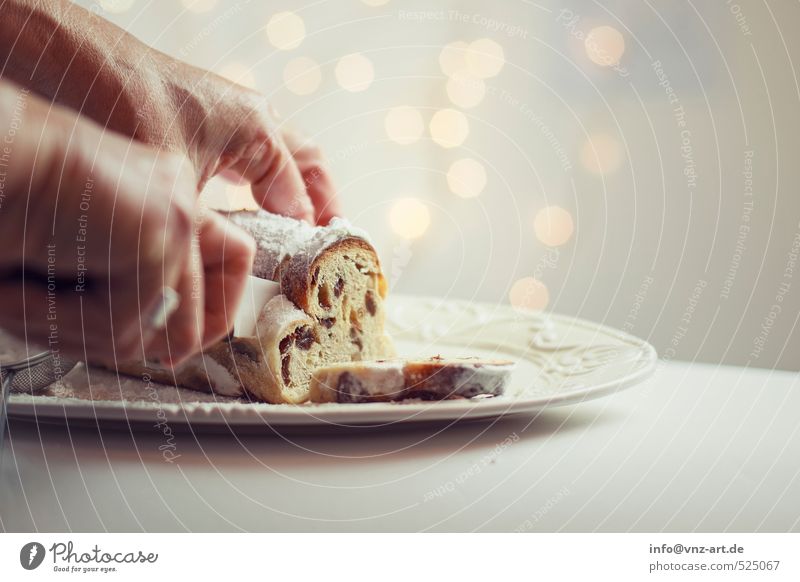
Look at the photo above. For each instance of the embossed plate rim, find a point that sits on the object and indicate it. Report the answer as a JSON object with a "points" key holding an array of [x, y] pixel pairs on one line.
{"points": [[238, 414]]}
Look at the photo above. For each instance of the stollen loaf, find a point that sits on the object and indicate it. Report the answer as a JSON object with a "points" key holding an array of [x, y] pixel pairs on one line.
{"points": [[329, 309]]}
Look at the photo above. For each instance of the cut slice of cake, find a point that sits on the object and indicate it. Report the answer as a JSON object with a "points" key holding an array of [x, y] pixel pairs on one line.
{"points": [[397, 379]]}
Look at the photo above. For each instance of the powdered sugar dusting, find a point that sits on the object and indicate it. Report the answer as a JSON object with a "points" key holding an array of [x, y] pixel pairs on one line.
{"points": [[278, 237], [221, 378], [375, 377], [280, 313]]}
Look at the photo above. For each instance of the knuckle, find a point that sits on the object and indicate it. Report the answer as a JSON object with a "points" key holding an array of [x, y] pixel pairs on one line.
{"points": [[166, 228], [257, 112], [272, 144], [314, 152], [313, 174]]}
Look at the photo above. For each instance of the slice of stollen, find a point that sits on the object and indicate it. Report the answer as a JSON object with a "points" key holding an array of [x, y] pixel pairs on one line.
{"points": [[436, 378]]}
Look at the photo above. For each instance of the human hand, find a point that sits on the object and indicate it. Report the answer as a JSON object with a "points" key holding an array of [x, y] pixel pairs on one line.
{"points": [[93, 227], [98, 69], [232, 130]]}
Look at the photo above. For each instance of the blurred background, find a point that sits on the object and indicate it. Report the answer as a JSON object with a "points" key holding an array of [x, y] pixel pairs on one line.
{"points": [[633, 163]]}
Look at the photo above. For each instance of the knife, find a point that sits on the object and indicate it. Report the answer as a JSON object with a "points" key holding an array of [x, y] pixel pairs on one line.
{"points": [[257, 293]]}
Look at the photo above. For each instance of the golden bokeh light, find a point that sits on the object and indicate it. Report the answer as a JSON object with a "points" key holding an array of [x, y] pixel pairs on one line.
{"points": [[553, 226], [485, 58], [286, 30], [404, 124], [601, 154], [449, 128], [410, 218], [465, 91], [466, 178], [605, 46], [354, 72], [302, 76], [529, 294], [453, 59]]}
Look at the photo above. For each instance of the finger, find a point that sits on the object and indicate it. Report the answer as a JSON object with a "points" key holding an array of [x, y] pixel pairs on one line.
{"points": [[164, 251], [316, 178], [322, 192], [258, 155], [232, 177], [227, 253], [182, 334], [252, 148], [184, 329], [274, 178]]}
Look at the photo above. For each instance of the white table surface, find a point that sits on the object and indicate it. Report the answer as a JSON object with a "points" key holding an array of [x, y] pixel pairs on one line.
{"points": [[697, 447]]}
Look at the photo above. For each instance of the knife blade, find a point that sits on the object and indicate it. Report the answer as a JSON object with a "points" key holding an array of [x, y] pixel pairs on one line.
{"points": [[257, 293]]}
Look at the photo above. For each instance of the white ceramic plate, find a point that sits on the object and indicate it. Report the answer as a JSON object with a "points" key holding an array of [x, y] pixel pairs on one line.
{"points": [[560, 360]]}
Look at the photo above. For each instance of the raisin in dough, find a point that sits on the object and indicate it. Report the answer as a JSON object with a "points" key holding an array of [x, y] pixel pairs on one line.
{"points": [[330, 310], [396, 379]]}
